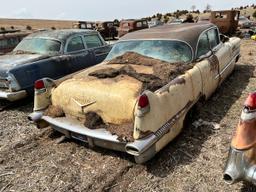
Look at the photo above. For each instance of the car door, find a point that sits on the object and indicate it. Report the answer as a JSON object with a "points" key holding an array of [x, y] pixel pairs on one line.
{"points": [[223, 52], [77, 54], [96, 45], [208, 65]]}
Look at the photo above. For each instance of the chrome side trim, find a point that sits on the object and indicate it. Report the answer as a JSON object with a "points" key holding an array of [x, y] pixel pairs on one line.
{"points": [[226, 66], [13, 96]]}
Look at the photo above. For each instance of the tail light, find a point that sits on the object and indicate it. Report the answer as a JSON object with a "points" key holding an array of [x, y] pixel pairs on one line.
{"points": [[250, 102], [39, 84], [143, 101]]}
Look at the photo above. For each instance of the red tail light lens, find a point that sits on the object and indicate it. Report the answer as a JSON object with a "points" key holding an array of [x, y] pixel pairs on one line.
{"points": [[250, 102], [143, 101], [39, 84]]}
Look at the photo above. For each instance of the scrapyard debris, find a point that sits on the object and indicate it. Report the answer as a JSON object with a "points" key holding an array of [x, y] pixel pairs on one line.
{"points": [[163, 72], [60, 139], [201, 122], [93, 120], [123, 131], [54, 111]]}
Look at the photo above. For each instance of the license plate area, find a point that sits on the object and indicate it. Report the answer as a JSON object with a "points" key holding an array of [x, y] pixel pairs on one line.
{"points": [[79, 137]]}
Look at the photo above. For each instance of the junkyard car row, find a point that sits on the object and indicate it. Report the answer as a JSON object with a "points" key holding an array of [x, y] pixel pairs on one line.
{"points": [[133, 96]]}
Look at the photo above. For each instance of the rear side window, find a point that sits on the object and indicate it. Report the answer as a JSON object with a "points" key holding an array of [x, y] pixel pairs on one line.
{"points": [[3, 43], [93, 41], [203, 45], [139, 24], [220, 15], [213, 38], [12, 42], [125, 25], [75, 44]]}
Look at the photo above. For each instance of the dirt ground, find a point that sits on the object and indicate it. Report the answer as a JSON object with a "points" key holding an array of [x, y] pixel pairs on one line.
{"points": [[31, 159]]}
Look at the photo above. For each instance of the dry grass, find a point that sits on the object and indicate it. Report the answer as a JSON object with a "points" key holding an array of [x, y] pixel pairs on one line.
{"points": [[30, 159]]}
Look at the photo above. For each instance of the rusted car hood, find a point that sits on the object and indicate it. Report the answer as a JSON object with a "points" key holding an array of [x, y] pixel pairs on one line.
{"points": [[113, 99], [10, 61]]}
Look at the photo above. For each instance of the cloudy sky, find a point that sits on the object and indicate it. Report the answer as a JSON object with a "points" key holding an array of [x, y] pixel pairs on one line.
{"points": [[104, 9]]}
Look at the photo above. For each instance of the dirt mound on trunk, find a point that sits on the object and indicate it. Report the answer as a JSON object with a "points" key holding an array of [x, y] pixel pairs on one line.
{"points": [[163, 72], [54, 111]]}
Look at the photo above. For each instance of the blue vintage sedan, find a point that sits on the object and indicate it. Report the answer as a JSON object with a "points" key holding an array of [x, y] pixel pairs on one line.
{"points": [[52, 54]]}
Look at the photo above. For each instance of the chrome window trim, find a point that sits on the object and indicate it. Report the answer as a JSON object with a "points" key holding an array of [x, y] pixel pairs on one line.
{"points": [[205, 31], [69, 39], [152, 39]]}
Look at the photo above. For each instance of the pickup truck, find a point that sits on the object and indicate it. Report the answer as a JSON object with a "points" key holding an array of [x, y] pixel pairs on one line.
{"points": [[137, 99], [53, 53]]}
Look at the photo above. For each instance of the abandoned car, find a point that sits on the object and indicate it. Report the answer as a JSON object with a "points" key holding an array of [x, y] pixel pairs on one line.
{"points": [[83, 25], [241, 164], [136, 100], [245, 23], [53, 54], [107, 29], [9, 39], [227, 20], [127, 26]]}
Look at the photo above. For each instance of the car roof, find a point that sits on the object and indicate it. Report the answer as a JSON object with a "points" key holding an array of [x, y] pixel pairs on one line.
{"points": [[60, 35], [187, 32]]}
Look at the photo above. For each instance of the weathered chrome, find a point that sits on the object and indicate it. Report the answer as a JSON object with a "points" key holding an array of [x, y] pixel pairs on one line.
{"points": [[239, 168], [12, 96], [35, 116]]}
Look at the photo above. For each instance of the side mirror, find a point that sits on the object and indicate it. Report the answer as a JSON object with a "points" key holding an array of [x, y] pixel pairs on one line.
{"points": [[224, 38]]}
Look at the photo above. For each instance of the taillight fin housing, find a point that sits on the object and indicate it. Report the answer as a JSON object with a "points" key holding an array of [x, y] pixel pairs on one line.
{"points": [[39, 84], [143, 101], [250, 102]]}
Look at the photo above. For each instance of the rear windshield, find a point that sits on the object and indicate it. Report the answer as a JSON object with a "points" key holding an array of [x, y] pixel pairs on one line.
{"points": [[169, 51], [39, 45]]}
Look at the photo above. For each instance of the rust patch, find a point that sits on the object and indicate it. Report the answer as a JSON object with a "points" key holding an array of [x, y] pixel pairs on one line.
{"points": [[245, 135], [54, 111], [124, 131], [178, 81], [214, 63], [144, 134], [93, 120]]}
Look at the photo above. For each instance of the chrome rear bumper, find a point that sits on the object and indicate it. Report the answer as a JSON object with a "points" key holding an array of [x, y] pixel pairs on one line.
{"points": [[12, 96], [142, 149]]}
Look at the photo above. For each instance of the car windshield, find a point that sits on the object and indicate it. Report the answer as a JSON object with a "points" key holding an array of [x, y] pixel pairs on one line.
{"points": [[165, 50], [38, 46]]}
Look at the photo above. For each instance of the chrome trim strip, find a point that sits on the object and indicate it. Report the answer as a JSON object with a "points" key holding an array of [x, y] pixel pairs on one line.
{"points": [[77, 127], [163, 39], [226, 66], [13, 96]]}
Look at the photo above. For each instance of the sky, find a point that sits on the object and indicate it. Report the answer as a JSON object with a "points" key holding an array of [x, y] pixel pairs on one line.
{"points": [[92, 10]]}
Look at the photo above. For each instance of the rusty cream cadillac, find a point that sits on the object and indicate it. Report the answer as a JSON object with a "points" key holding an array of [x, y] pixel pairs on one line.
{"points": [[137, 99]]}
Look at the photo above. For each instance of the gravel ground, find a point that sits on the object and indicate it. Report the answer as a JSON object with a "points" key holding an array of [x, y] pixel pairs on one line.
{"points": [[31, 159]]}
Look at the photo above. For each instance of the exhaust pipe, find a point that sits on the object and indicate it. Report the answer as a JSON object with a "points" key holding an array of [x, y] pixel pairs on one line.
{"points": [[139, 146], [35, 116], [234, 169], [143, 145], [238, 167]]}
